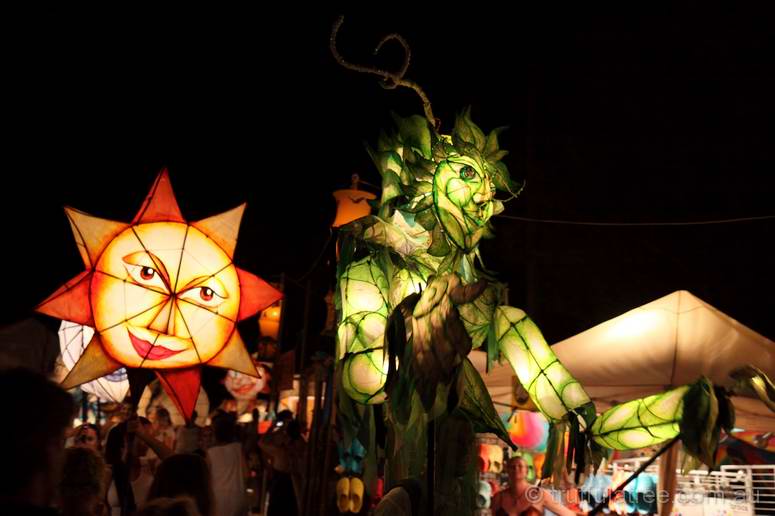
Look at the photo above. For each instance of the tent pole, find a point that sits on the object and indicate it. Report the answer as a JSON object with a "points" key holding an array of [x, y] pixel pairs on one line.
{"points": [[641, 469]]}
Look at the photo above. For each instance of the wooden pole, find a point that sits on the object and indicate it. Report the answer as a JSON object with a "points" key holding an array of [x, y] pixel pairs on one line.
{"points": [[330, 409], [431, 471], [641, 469]]}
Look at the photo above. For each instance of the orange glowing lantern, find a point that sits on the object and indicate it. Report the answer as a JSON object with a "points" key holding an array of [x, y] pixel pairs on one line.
{"points": [[161, 293], [269, 322], [351, 204]]}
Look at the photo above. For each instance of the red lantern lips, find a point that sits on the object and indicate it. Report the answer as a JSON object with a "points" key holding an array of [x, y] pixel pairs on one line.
{"points": [[148, 351]]}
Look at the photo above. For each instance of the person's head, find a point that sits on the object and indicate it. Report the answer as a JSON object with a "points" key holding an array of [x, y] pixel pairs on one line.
{"points": [[33, 440], [403, 498], [224, 427], [81, 488], [186, 474], [87, 436], [518, 469], [161, 417], [117, 439], [284, 417], [181, 506]]}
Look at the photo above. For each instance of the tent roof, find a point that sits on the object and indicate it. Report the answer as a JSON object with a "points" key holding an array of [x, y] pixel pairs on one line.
{"points": [[665, 343]]}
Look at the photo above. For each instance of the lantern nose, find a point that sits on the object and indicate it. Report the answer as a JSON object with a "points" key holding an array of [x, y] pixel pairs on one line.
{"points": [[164, 322]]}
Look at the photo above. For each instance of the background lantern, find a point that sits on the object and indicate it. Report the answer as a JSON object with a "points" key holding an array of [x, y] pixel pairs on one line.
{"points": [[351, 204], [73, 339], [269, 322], [528, 430]]}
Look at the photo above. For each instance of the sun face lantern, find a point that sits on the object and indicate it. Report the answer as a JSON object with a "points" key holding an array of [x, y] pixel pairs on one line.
{"points": [[161, 293]]}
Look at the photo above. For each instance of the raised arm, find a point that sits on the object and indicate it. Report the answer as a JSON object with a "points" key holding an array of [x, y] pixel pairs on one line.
{"points": [[556, 507], [135, 426]]}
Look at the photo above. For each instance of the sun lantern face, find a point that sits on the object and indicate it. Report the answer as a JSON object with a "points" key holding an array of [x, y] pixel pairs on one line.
{"points": [[178, 291], [162, 294]]}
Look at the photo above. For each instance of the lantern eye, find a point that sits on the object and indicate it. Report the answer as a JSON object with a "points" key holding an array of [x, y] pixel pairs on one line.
{"points": [[142, 269], [467, 172], [208, 294]]}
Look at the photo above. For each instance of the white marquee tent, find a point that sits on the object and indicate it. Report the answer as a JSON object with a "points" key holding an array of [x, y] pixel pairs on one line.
{"points": [[662, 344]]}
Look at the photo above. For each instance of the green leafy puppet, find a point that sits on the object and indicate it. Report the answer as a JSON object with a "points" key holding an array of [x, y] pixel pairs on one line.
{"points": [[414, 300]]}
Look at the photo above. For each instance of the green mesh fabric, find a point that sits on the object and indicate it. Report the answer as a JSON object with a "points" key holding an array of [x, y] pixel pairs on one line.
{"points": [[360, 335], [551, 387], [642, 422]]}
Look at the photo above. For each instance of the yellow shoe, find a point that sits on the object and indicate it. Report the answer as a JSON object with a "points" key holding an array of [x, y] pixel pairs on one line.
{"points": [[356, 494], [343, 494]]}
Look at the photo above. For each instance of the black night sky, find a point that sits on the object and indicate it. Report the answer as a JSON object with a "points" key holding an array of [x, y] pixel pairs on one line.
{"points": [[627, 120]]}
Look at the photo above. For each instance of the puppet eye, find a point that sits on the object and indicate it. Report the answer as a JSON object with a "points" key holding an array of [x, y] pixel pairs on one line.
{"points": [[467, 172]]}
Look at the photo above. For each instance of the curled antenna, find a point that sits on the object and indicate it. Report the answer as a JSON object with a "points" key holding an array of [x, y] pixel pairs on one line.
{"points": [[390, 80]]}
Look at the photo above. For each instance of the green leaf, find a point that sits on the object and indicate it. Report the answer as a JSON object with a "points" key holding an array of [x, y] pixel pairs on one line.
{"points": [[554, 460], [415, 132], [477, 314], [752, 381], [689, 463], [425, 203], [439, 245], [442, 150], [493, 351], [386, 161], [476, 404], [500, 177], [466, 131], [453, 227], [418, 188], [491, 147], [439, 339], [726, 410], [385, 142], [427, 219], [450, 262], [699, 424], [497, 156], [396, 338], [391, 187]]}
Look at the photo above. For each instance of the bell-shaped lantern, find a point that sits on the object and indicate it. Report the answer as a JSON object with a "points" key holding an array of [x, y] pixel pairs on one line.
{"points": [[351, 204], [269, 322]]}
